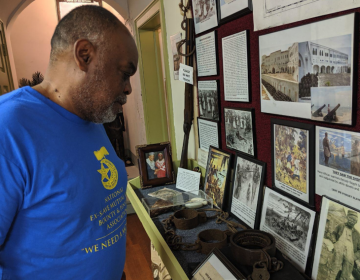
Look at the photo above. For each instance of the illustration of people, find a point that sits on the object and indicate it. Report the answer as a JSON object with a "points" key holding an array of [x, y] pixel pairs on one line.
{"points": [[200, 103], [209, 104], [289, 160], [326, 147], [250, 150], [160, 165], [297, 168], [346, 241], [355, 158], [150, 166]]}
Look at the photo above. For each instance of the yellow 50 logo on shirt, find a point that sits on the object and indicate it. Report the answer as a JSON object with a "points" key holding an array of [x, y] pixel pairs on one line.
{"points": [[106, 165]]}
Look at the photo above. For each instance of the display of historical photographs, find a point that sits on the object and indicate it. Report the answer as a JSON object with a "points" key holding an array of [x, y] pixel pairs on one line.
{"points": [[308, 71], [206, 55], [205, 15], [208, 96], [239, 130], [217, 176], [290, 223], [337, 251], [293, 159], [247, 190], [338, 165], [209, 134], [232, 9]]}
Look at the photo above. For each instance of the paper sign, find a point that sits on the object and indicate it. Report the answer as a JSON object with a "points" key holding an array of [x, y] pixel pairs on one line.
{"points": [[186, 74], [187, 180], [202, 157]]}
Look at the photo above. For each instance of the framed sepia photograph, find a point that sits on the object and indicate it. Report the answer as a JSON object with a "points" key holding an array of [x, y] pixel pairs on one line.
{"points": [[309, 71], [240, 130], [155, 165], [209, 134], [233, 9], [293, 157], [247, 190], [205, 15], [216, 266], [291, 224], [217, 176], [337, 247], [338, 165], [209, 100]]}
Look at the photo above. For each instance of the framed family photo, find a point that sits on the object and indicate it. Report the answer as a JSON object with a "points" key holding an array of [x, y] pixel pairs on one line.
{"points": [[209, 100], [233, 9], [310, 71], [217, 176], [240, 130], [155, 165], [293, 157], [247, 190]]}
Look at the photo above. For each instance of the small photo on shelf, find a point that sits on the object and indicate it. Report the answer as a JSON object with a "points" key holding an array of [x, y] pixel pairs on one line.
{"points": [[209, 101], [247, 190]]}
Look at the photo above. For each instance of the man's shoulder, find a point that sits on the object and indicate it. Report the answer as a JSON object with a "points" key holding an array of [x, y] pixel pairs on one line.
{"points": [[11, 103]]}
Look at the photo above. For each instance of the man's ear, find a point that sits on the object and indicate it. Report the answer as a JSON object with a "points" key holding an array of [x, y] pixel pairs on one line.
{"points": [[84, 53]]}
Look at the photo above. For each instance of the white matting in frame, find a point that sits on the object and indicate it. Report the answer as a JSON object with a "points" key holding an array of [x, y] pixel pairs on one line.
{"points": [[206, 54], [205, 15], [208, 134]]}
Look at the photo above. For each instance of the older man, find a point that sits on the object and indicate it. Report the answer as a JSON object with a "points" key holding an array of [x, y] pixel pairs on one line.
{"points": [[62, 186]]}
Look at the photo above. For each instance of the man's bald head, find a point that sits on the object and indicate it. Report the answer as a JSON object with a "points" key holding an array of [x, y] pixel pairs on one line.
{"points": [[89, 22]]}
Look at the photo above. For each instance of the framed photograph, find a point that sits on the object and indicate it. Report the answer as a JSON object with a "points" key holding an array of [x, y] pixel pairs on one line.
{"points": [[65, 6], [338, 165], [205, 15], [155, 165], [240, 130], [293, 157], [209, 134], [217, 176], [206, 54], [247, 190], [235, 52], [291, 224], [337, 244], [233, 9], [209, 100], [217, 266], [177, 58], [309, 71]]}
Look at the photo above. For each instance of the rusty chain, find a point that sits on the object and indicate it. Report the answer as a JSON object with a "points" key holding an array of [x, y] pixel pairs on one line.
{"points": [[184, 9]]}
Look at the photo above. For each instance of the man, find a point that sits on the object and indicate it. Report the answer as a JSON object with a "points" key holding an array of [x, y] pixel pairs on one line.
{"points": [[150, 166], [346, 241], [62, 186], [326, 147], [160, 166], [297, 168]]}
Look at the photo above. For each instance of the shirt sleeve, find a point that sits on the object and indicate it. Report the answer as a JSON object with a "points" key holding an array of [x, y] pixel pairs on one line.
{"points": [[12, 186]]}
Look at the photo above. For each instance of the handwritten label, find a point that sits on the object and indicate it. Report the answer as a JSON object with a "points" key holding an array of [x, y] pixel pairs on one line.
{"points": [[186, 74]]}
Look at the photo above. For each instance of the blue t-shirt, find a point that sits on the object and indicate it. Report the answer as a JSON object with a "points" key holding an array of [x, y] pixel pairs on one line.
{"points": [[62, 194]]}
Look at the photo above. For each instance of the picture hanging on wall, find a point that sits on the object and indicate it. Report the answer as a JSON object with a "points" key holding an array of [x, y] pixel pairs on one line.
{"points": [[217, 176], [291, 224], [232, 9], [293, 157], [247, 190], [65, 6], [309, 71], [206, 55], [337, 244], [240, 130], [209, 134], [338, 165], [209, 101], [205, 15]]}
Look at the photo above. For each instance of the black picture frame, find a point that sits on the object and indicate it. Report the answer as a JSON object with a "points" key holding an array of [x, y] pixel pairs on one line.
{"points": [[231, 139], [221, 257], [248, 60], [354, 72], [235, 15], [219, 203], [257, 198], [218, 132], [218, 97], [201, 27], [216, 54], [285, 170], [84, 2]]}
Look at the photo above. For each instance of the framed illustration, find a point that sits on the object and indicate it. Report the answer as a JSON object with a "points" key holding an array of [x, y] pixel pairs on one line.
{"points": [[233, 9], [205, 15], [209, 134], [240, 130], [338, 165], [337, 244], [209, 100], [155, 165], [206, 54], [236, 62], [309, 71], [217, 176], [293, 157], [65, 6], [247, 189], [291, 224], [216, 266]]}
